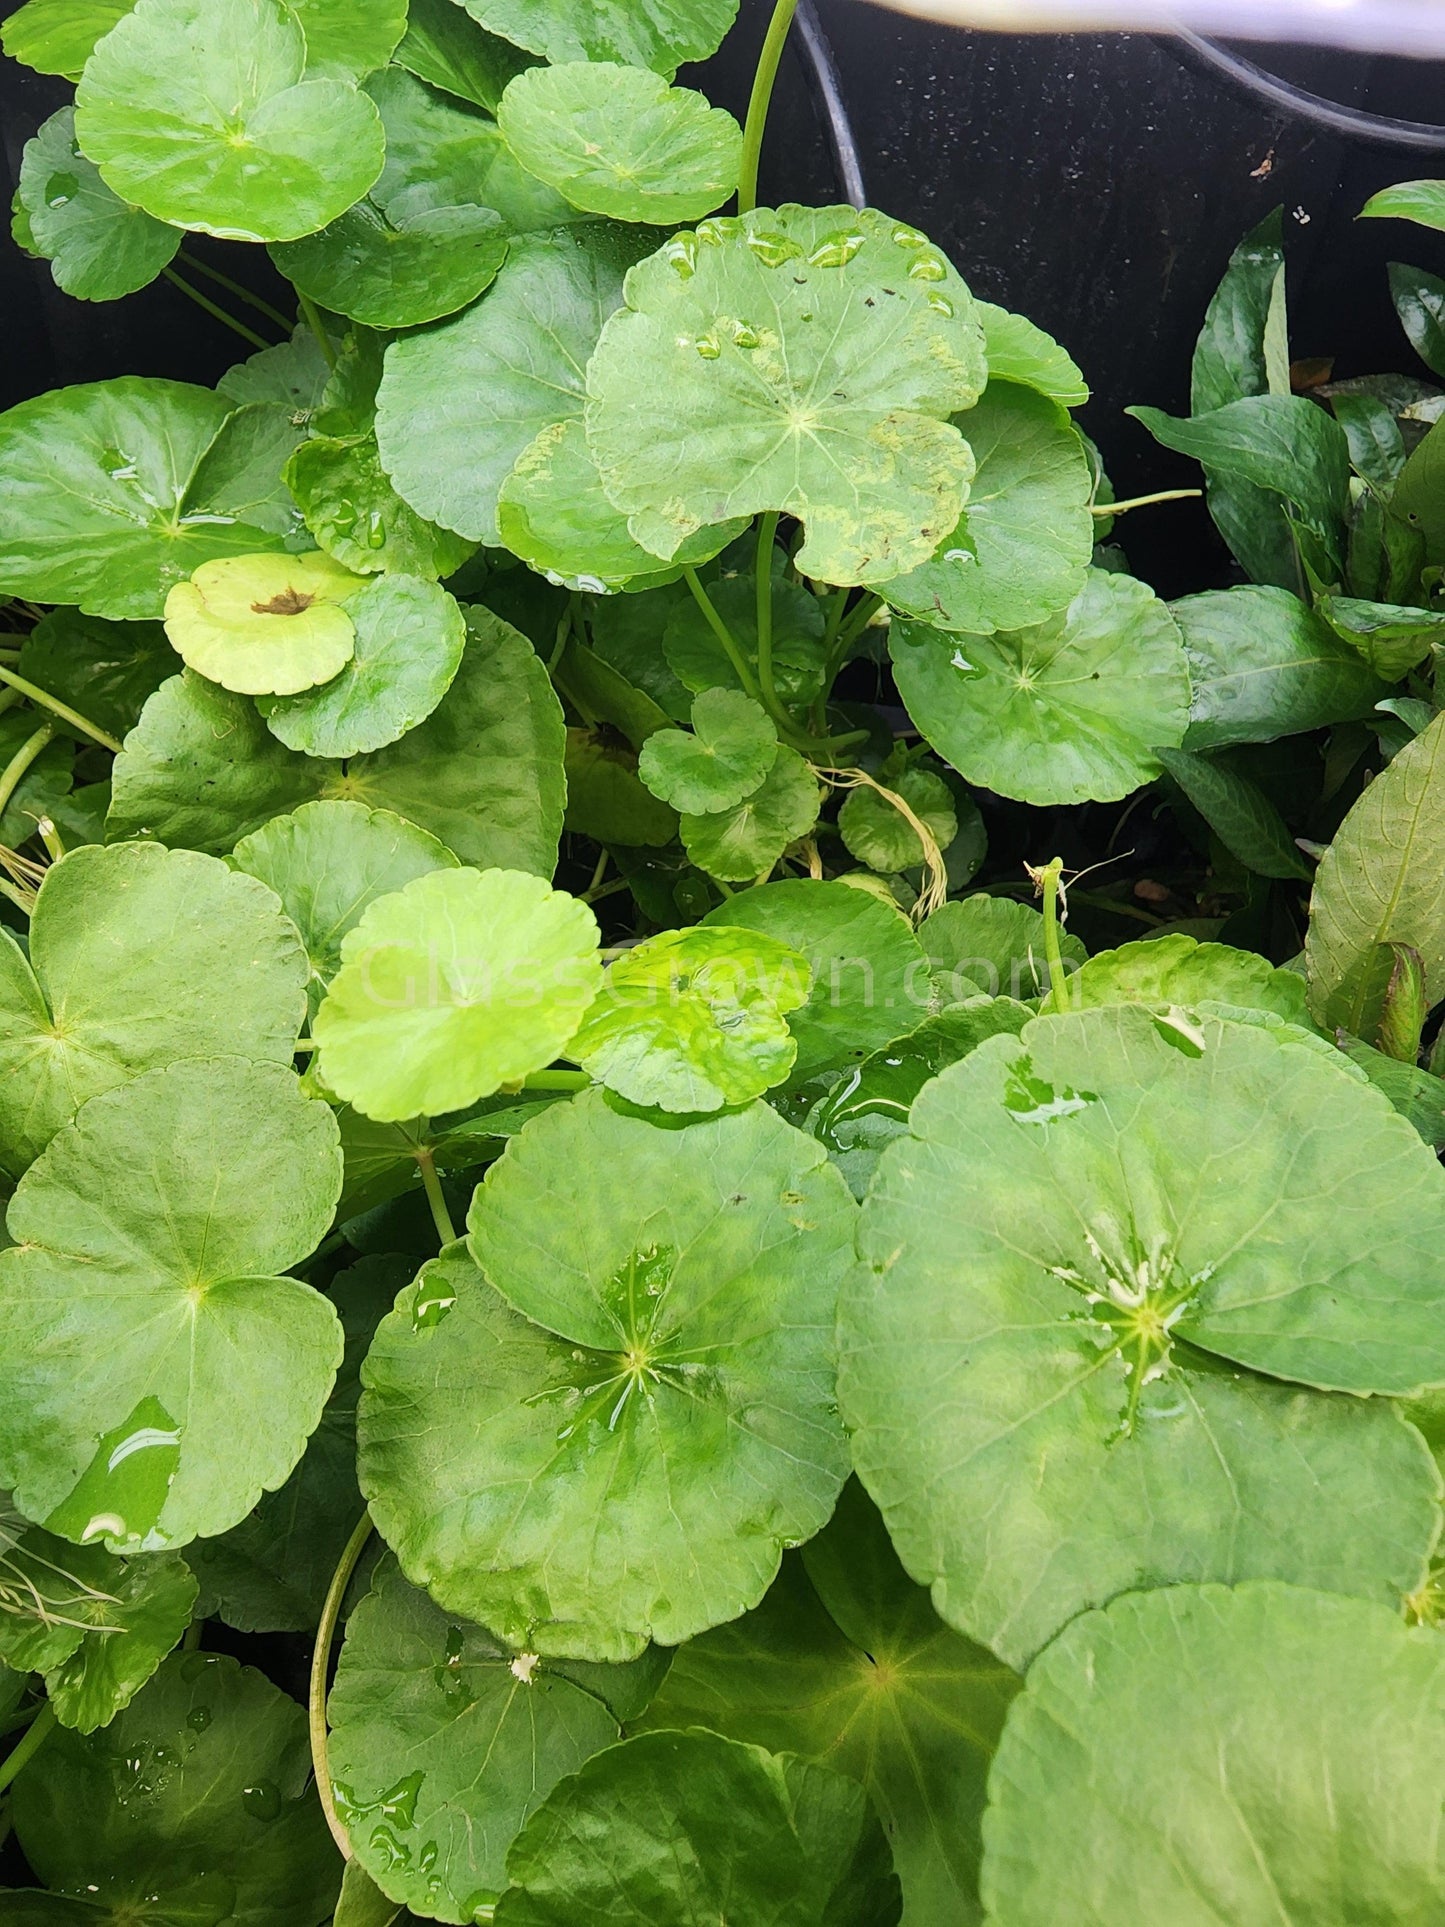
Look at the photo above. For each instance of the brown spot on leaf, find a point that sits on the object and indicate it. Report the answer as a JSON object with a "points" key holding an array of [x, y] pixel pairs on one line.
{"points": [[290, 602]]}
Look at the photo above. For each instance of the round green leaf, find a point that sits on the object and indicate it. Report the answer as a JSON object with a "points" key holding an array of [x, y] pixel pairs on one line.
{"points": [[133, 1417], [877, 832], [96, 1626], [123, 942], [198, 112], [329, 863], [458, 984], [991, 947], [270, 1573], [672, 1828], [630, 1465], [106, 670], [1019, 351], [357, 516], [619, 141], [264, 624], [663, 34], [1175, 970], [199, 1791], [1198, 1755], [798, 359], [294, 374], [98, 248], [733, 746], [483, 773], [59, 36], [395, 267], [410, 635], [1063, 713], [446, 48], [484, 1732], [884, 1692], [695, 1019], [93, 495], [348, 39], [1021, 551], [870, 977], [745, 842], [459, 403], [1084, 1224]]}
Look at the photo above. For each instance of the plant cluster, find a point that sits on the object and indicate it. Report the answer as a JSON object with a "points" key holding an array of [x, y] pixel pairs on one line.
{"points": [[778, 1385]]}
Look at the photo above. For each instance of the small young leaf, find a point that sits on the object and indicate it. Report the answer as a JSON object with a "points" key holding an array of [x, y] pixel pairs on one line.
{"points": [[761, 358], [98, 248], [619, 141], [459, 983], [733, 746], [1018, 350], [1391, 640], [695, 1019], [264, 624], [1071, 710], [878, 834], [132, 1421], [745, 842], [585, 1475], [203, 113], [1421, 201], [697, 1827]]}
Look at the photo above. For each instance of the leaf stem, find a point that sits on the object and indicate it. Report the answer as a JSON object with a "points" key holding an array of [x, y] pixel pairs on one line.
{"points": [[14, 771], [318, 327], [724, 635], [1047, 881], [215, 311], [767, 536], [320, 1663], [28, 1745], [44, 700], [556, 1081], [762, 96], [432, 1185], [1104, 510], [197, 266]]}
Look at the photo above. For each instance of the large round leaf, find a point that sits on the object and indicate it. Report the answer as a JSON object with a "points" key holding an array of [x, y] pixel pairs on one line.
{"points": [[93, 488], [264, 625], [674, 1828], [645, 33], [1087, 1229], [458, 984], [484, 1733], [1197, 1755], [632, 1464], [409, 639], [483, 773], [1063, 713], [695, 1019], [870, 976], [461, 401], [800, 359], [619, 141], [98, 248], [329, 863], [156, 1375], [196, 1799], [1022, 548], [199, 112], [138, 956], [1175, 970], [846, 1662]]}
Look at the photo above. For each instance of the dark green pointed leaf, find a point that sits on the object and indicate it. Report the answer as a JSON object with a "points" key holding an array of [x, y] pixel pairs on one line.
{"points": [[199, 1790], [93, 486], [868, 1679], [1198, 1755], [748, 371], [1108, 1216], [1022, 548], [1071, 710], [870, 976], [631, 1465], [1239, 813], [460, 402], [1420, 303], [98, 248], [618, 141], [662, 34], [294, 374], [234, 137], [1391, 640], [119, 941], [605, 799], [671, 1828]]}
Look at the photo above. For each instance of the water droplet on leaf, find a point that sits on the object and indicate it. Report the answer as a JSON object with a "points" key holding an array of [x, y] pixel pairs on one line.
{"points": [[61, 189], [123, 1490], [262, 1800]]}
